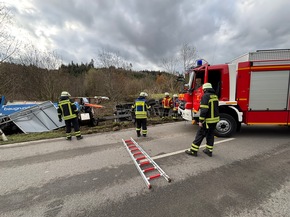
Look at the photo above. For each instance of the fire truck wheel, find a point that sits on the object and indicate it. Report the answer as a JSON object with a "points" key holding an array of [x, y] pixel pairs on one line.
{"points": [[226, 126]]}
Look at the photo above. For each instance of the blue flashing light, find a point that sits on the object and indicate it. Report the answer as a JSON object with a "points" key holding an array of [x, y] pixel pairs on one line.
{"points": [[199, 62]]}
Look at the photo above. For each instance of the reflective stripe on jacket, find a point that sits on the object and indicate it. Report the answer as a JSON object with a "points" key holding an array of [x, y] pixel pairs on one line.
{"points": [[209, 107], [67, 109], [140, 108], [167, 102]]}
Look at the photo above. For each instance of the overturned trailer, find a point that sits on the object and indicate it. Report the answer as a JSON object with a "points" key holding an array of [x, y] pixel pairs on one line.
{"points": [[35, 118]]}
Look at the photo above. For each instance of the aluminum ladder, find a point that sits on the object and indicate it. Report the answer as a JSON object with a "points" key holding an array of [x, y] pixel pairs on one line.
{"points": [[141, 160]]}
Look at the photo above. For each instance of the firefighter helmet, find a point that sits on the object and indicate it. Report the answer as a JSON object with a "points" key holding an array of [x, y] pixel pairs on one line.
{"points": [[175, 95], [206, 86], [166, 94], [65, 93]]}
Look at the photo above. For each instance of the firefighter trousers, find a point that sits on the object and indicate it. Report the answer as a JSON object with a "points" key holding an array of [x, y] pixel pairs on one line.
{"points": [[175, 114], [141, 124], [208, 133], [166, 112], [72, 122]]}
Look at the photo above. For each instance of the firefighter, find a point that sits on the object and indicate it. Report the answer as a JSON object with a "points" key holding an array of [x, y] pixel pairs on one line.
{"points": [[209, 116], [197, 83], [175, 106], [167, 104], [140, 109], [69, 112], [87, 109]]}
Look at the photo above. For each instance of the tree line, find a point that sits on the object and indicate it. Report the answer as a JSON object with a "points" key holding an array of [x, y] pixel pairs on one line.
{"points": [[22, 82]]}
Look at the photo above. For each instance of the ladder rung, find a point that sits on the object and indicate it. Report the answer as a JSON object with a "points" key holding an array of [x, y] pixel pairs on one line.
{"points": [[148, 169], [129, 141], [135, 149], [132, 146], [144, 163], [137, 153], [154, 176], [140, 158]]}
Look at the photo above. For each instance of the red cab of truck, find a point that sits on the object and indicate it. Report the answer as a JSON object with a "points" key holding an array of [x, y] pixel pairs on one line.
{"points": [[252, 89]]}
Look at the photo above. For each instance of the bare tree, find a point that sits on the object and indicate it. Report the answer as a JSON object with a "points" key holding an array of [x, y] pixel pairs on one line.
{"points": [[109, 59], [42, 71], [188, 55], [41, 59], [8, 43], [169, 64], [183, 59], [10, 80], [113, 80]]}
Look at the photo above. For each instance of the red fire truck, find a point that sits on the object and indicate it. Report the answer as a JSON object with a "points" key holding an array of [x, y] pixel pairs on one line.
{"points": [[252, 89]]}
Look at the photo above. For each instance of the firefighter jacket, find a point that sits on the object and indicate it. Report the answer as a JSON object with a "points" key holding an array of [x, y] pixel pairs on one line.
{"points": [[167, 102], [66, 109], [140, 108], [175, 103], [209, 107]]}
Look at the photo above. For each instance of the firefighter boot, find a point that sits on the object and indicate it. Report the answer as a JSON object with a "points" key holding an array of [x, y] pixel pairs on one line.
{"points": [[207, 152], [79, 137], [68, 138], [192, 153], [138, 134]]}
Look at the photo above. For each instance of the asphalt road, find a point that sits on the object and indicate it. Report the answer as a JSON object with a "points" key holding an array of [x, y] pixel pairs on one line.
{"points": [[248, 175]]}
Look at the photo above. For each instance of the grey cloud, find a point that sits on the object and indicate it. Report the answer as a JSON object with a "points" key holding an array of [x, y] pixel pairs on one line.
{"points": [[145, 31]]}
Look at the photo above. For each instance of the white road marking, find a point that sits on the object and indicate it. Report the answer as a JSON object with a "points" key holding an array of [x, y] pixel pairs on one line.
{"points": [[181, 151]]}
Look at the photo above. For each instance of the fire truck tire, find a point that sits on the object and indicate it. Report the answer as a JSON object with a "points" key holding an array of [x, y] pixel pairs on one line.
{"points": [[226, 126]]}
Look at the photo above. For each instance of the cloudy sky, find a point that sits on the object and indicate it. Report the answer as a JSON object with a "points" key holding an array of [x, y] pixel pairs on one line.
{"points": [[143, 32]]}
